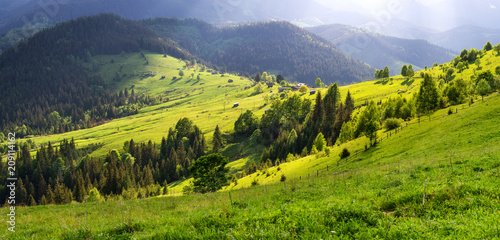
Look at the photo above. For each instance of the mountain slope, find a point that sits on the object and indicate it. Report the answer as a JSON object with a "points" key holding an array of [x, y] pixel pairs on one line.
{"points": [[380, 51], [277, 47], [45, 73]]}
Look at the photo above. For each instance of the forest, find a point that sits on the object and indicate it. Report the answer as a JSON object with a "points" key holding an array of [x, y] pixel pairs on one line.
{"points": [[48, 89], [275, 47]]}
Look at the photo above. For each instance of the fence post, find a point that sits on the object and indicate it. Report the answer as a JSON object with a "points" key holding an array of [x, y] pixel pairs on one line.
{"points": [[317, 173]]}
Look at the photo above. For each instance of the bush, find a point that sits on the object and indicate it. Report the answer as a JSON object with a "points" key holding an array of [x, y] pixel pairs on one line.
{"points": [[255, 182], [283, 177], [187, 190], [94, 195], [345, 153], [392, 123], [450, 111]]}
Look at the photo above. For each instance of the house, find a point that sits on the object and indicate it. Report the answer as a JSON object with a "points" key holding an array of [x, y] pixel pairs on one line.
{"points": [[236, 104], [270, 84], [230, 80], [281, 89], [215, 72], [297, 87], [312, 92]]}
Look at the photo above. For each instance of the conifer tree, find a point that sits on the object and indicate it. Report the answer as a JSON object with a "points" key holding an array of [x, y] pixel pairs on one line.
{"points": [[21, 194], [217, 140], [31, 201], [349, 107], [404, 70]]}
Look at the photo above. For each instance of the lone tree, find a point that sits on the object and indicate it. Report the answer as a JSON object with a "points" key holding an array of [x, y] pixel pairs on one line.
{"points": [[371, 129], [483, 88], [428, 97], [404, 70], [488, 46], [410, 72], [209, 173], [318, 82], [217, 140], [181, 73]]}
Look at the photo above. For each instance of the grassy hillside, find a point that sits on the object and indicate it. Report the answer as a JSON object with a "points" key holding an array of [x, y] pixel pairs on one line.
{"points": [[275, 47], [378, 194], [202, 101]]}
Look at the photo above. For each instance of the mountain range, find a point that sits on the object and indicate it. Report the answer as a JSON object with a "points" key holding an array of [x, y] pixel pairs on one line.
{"points": [[380, 50]]}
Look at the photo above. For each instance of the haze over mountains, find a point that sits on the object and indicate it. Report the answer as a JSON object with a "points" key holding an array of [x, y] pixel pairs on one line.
{"points": [[449, 24], [380, 50]]}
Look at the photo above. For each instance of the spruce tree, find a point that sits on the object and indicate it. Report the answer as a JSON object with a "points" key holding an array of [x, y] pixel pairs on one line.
{"points": [[404, 70], [349, 107], [217, 140]]}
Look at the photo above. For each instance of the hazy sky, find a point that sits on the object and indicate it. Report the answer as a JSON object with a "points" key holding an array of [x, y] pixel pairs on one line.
{"points": [[438, 14]]}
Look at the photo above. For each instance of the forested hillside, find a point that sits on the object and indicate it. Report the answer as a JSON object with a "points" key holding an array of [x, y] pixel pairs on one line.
{"points": [[47, 89], [275, 47], [380, 51]]}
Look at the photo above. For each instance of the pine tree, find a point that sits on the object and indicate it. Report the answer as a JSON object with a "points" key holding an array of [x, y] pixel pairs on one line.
{"points": [[217, 140], [404, 70], [21, 193], [318, 114], [42, 188], [31, 201], [410, 72], [349, 107], [488, 46], [79, 191]]}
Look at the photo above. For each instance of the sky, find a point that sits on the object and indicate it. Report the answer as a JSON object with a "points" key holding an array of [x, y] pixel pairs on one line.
{"points": [[438, 14]]}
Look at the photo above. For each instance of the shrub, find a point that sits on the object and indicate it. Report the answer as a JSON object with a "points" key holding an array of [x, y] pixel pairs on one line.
{"points": [[450, 111], [187, 190], [255, 182], [392, 123], [345, 153], [94, 195], [283, 177]]}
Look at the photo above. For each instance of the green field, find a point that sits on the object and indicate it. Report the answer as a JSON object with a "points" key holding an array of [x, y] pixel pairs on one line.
{"points": [[378, 194]]}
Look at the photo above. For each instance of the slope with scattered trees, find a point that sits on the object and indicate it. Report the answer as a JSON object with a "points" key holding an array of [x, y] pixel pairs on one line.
{"points": [[277, 47]]}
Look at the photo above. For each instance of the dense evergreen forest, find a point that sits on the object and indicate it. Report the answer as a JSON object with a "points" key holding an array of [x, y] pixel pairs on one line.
{"points": [[275, 47], [47, 89], [62, 174]]}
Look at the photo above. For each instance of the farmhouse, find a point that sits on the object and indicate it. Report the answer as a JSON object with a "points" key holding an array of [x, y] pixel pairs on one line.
{"points": [[236, 104], [215, 72], [270, 84], [281, 89], [312, 92]]}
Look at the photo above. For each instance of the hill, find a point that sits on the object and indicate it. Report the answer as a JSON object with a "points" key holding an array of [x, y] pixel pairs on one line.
{"points": [[380, 51], [275, 47], [49, 90], [431, 179]]}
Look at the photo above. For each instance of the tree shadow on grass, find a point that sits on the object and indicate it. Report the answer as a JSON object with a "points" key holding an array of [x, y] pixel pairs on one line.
{"points": [[408, 82], [382, 81]]}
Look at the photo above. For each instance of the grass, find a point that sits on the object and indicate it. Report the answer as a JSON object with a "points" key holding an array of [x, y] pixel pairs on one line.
{"points": [[377, 194]]}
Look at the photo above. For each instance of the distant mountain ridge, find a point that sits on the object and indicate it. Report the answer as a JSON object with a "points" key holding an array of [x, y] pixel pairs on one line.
{"points": [[276, 47], [380, 50]]}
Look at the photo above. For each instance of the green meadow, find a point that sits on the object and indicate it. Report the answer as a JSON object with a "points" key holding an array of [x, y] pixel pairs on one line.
{"points": [[433, 180]]}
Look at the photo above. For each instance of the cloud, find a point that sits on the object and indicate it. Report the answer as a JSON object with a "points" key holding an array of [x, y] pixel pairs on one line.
{"points": [[493, 6]]}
